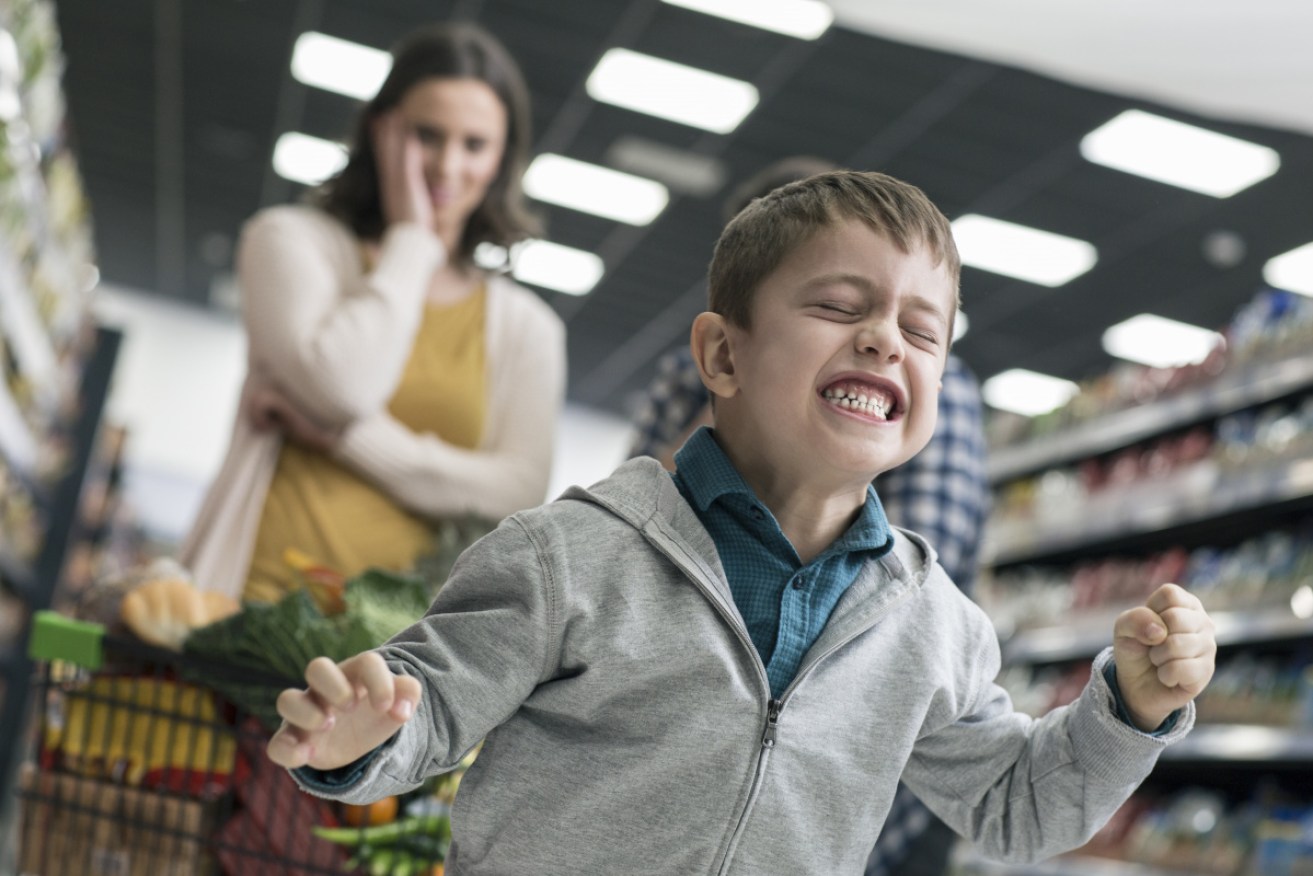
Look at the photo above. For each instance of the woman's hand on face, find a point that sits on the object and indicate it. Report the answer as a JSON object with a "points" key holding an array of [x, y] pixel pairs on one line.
{"points": [[267, 408], [400, 160]]}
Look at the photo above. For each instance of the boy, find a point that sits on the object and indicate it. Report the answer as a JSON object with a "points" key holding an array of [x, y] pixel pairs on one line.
{"points": [[728, 669]]}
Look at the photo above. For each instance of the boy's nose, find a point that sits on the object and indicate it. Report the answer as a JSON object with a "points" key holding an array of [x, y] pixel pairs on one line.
{"points": [[881, 338]]}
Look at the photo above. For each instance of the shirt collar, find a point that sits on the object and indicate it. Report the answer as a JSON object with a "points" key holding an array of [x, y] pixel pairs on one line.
{"points": [[706, 474]]}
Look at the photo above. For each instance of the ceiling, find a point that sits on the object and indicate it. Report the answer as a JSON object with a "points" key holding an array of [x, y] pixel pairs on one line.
{"points": [[175, 107]]}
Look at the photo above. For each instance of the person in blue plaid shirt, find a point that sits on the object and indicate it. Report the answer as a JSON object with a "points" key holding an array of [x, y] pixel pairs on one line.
{"points": [[941, 493]]}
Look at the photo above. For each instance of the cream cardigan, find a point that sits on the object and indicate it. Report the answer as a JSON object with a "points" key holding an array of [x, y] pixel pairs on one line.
{"points": [[336, 340]]}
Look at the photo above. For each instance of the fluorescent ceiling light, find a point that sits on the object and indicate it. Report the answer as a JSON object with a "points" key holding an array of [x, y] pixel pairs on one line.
{"points": [[804, 19], [339, 65], [307, 160], [1179, 154], [671, 91], [1028, 393], [1018, 251], [1159, 342], [682, 171], [591, 188], [552, 266], [1292, 271]]}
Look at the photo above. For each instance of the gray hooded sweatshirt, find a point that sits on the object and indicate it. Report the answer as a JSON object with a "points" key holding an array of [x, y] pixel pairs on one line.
{"points": [[630, 728]]}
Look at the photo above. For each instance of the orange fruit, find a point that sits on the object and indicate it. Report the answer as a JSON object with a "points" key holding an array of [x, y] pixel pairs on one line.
{"points": [[378, 812]]}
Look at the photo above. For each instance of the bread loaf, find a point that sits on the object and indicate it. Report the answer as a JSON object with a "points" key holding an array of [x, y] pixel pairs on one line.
{"points": [[165, 611]]}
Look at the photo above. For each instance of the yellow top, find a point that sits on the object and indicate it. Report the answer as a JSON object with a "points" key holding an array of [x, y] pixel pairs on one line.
{"points": [[327, 511]]}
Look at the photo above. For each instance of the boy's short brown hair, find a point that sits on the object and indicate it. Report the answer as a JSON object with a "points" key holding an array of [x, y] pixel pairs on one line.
{"points": [[756, 241]]}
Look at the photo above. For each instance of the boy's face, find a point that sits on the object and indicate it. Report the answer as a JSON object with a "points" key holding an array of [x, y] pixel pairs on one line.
{"points": [[838, 376]]}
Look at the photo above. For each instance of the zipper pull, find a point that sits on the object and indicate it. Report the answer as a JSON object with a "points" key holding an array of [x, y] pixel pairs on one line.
{"points": [[772, 720]]}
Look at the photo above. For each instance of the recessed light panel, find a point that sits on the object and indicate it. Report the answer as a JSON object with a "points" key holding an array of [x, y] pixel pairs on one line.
{"points": [[1028, 393], [1022, 252], [591, 188], [556, 267], [339, 65], [671, 91], [1292, 271], [1159, 342], [307, 160], [1178, 154], [804, 19]]}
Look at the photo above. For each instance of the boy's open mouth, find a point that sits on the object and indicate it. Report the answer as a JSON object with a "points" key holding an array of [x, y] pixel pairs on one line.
{"points": [[862, 398]]}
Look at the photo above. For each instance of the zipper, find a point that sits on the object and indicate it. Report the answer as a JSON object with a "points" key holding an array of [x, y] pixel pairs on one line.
{"points": [[772, 723], [773, 708]]}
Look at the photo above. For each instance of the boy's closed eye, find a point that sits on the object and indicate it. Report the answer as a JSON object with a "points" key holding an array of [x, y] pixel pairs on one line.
{"points": [[839, 308], [925, 335]]}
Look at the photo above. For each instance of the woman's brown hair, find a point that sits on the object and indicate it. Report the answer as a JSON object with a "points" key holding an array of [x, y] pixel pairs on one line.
{"points": [[444, 51]]}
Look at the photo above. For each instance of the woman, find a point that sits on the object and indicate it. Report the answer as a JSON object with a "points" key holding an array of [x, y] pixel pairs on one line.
{"points": [[391, 381]]}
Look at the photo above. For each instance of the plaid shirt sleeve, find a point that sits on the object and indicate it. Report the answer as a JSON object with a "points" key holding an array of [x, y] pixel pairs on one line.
{"points": [[675, 396], [943, 492]]}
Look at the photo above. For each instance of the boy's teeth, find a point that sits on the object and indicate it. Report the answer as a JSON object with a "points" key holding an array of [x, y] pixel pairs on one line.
{"points": [[851, 400]]}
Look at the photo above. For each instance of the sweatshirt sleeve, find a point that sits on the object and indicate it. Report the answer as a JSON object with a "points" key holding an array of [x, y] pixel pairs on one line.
{"points": [[335, 343], [1024, 789], [491, 636], [509, 471]]}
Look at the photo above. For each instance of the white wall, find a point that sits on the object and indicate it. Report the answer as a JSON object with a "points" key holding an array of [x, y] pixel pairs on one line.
{"points": [[176, 386]]}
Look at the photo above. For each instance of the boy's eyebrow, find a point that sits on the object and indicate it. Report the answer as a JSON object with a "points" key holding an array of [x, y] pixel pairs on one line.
{"points": [[919, 302]]}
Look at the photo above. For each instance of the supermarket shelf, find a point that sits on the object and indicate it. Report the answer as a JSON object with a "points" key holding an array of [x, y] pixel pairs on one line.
{"points": [[1231, 392], [1198, 495], [1243, 742], [972, 864], [1089, 635]]}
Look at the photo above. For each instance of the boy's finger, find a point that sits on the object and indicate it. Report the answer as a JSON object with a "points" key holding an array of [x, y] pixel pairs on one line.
{"points": [[1181, 646], [301, 710], [406, 698], [287, 749], [370, 672], [1187, 620], [1141, 625], [1192, 675], [1172, 596], [329, 682]]}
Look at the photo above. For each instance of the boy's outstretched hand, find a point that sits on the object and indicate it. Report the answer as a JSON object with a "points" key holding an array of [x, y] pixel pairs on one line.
{"points": [[1164, 652], [349, 709]]}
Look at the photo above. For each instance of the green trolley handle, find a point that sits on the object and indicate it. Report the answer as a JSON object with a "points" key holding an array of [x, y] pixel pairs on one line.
{"points": [[55, 637]]}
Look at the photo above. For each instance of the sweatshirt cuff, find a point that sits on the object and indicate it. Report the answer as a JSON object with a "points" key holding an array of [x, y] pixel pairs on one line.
{"points": [[1108, 747], [340, 779]]}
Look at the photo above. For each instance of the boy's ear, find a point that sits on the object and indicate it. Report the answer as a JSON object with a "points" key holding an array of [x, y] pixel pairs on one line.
{"points": [[713, 352]]}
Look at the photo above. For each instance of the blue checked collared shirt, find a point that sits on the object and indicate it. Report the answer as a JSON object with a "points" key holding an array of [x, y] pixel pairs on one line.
{"points": [[784, 602]]}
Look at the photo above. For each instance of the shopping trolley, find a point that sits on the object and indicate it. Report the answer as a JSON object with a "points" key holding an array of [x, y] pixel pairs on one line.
{"points": [[143, 764]]}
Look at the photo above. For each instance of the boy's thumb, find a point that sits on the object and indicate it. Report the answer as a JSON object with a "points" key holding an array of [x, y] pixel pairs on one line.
{"points": [[405, 699], [1141, 625]]}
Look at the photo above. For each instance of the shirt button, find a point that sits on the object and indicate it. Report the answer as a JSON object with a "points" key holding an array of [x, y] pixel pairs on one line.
{"points": [[757, 514], [798, 582]]}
